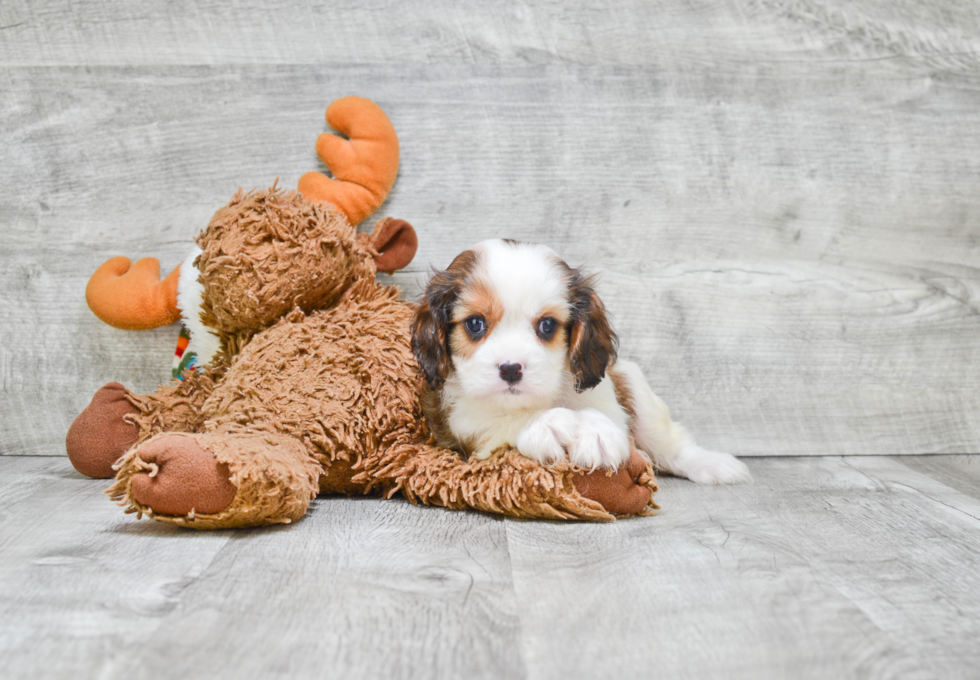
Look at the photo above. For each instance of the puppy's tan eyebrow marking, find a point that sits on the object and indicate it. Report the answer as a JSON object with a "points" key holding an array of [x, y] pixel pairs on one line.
{"points": [[475, 297], [558, 312], [461, 344], [479, 297], [561, 315]]}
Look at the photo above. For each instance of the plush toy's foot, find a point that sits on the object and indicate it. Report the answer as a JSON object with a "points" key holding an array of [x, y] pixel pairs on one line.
{"points": [[217, 481], [101, 434], [181, 478], [627, 491]]}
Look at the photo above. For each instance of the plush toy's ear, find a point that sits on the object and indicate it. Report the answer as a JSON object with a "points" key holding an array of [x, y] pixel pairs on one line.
{"points": [[592, 342], [396, 243], [133, 298], [364, 165]]}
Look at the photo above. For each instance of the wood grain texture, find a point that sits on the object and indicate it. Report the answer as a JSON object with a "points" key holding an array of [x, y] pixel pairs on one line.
{"points": [[958, 472], [76, 582], [496, 31], [369, 589], [831, 567], [780, 195], [825, 568]]}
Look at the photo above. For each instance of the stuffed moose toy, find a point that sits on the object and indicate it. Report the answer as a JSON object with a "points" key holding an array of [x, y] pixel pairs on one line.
{"points": [[305, 381]]}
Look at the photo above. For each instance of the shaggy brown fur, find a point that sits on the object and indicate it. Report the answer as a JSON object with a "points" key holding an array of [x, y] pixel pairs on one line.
{"points": [[317, 390], [267, 252]]}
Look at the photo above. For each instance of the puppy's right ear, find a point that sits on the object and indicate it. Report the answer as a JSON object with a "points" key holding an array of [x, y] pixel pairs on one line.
{"points": [[430, 328]]}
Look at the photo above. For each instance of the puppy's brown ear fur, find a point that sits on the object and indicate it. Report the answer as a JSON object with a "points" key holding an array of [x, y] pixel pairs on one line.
{"points": [[433, 319], [592, 342], [430, 333]]}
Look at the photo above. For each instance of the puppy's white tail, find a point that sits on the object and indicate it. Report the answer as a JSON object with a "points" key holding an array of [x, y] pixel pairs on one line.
{"points": [[669, 446]]}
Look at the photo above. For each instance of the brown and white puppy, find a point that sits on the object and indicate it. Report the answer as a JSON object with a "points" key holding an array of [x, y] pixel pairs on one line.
{"points": [[516, 350]]}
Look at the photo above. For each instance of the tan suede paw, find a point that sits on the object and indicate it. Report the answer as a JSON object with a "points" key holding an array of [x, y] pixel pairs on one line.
{"points": [[181, 478], [101, 433]]}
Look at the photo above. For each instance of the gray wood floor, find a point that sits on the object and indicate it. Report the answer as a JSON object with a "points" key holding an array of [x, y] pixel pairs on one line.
{"points": [[859, 567]]}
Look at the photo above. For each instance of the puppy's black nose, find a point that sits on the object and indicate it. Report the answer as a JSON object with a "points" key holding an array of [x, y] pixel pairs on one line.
{"points": [[510, 372]]}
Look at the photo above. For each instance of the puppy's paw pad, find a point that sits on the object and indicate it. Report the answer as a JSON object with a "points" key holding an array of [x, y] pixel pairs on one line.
{"points": [[600, 443]]}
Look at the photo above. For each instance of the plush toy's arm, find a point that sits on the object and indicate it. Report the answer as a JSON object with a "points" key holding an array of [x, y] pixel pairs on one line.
{"points": [[510, 484]]}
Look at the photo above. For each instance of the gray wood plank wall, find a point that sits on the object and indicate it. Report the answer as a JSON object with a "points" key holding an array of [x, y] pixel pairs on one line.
{"points": [[781, 197]]}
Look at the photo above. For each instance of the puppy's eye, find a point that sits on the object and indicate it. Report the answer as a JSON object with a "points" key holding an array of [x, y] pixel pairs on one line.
{"points": [[475, 327], [547, 327]]}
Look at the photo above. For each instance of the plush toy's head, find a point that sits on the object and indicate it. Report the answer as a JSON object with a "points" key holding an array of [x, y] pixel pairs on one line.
{"points": [[270, 251]]}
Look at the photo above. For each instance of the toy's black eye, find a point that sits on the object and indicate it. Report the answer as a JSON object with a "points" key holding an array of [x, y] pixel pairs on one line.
{"points": [[547, 327], [475, 327]]}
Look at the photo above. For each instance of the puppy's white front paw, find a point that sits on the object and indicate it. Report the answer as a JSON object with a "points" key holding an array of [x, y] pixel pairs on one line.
{"points": [[599, 443], [546, 435], [710, 467]]}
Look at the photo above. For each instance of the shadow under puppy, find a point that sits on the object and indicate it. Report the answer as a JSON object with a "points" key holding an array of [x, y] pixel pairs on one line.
{"points": [[516, 350]]}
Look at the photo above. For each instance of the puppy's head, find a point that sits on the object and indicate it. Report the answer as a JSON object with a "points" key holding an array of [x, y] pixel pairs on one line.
{"points": [[511, 321]]}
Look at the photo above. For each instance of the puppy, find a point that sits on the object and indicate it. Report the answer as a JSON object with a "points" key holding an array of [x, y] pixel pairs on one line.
{"points": [[516, 350]]}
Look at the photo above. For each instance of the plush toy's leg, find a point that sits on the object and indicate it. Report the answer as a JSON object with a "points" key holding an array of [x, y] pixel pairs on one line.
{"points": [[511, 484], [177, 406], [215, 481], [103, 432], [116, 419]]}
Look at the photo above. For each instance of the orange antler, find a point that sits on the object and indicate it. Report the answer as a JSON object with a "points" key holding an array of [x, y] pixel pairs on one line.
{"points": [[134, 299], [364, 165]]}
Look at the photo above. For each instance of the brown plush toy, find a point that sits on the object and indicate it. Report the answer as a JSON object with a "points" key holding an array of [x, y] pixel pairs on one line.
{"points": [[306, 382]]}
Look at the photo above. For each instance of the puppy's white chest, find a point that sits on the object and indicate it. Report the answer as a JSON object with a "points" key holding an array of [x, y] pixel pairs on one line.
{"points": [[488, 429]]}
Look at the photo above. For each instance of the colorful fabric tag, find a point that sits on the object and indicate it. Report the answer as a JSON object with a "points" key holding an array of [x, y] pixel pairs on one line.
{"points": [[184, 360]]}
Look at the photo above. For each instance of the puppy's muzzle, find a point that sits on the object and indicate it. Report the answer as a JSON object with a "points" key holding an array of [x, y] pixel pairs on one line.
{"points": [[510, 373]]}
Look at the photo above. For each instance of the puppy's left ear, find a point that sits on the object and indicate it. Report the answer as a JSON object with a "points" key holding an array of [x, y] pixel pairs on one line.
{"points": [[592, 342]]}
